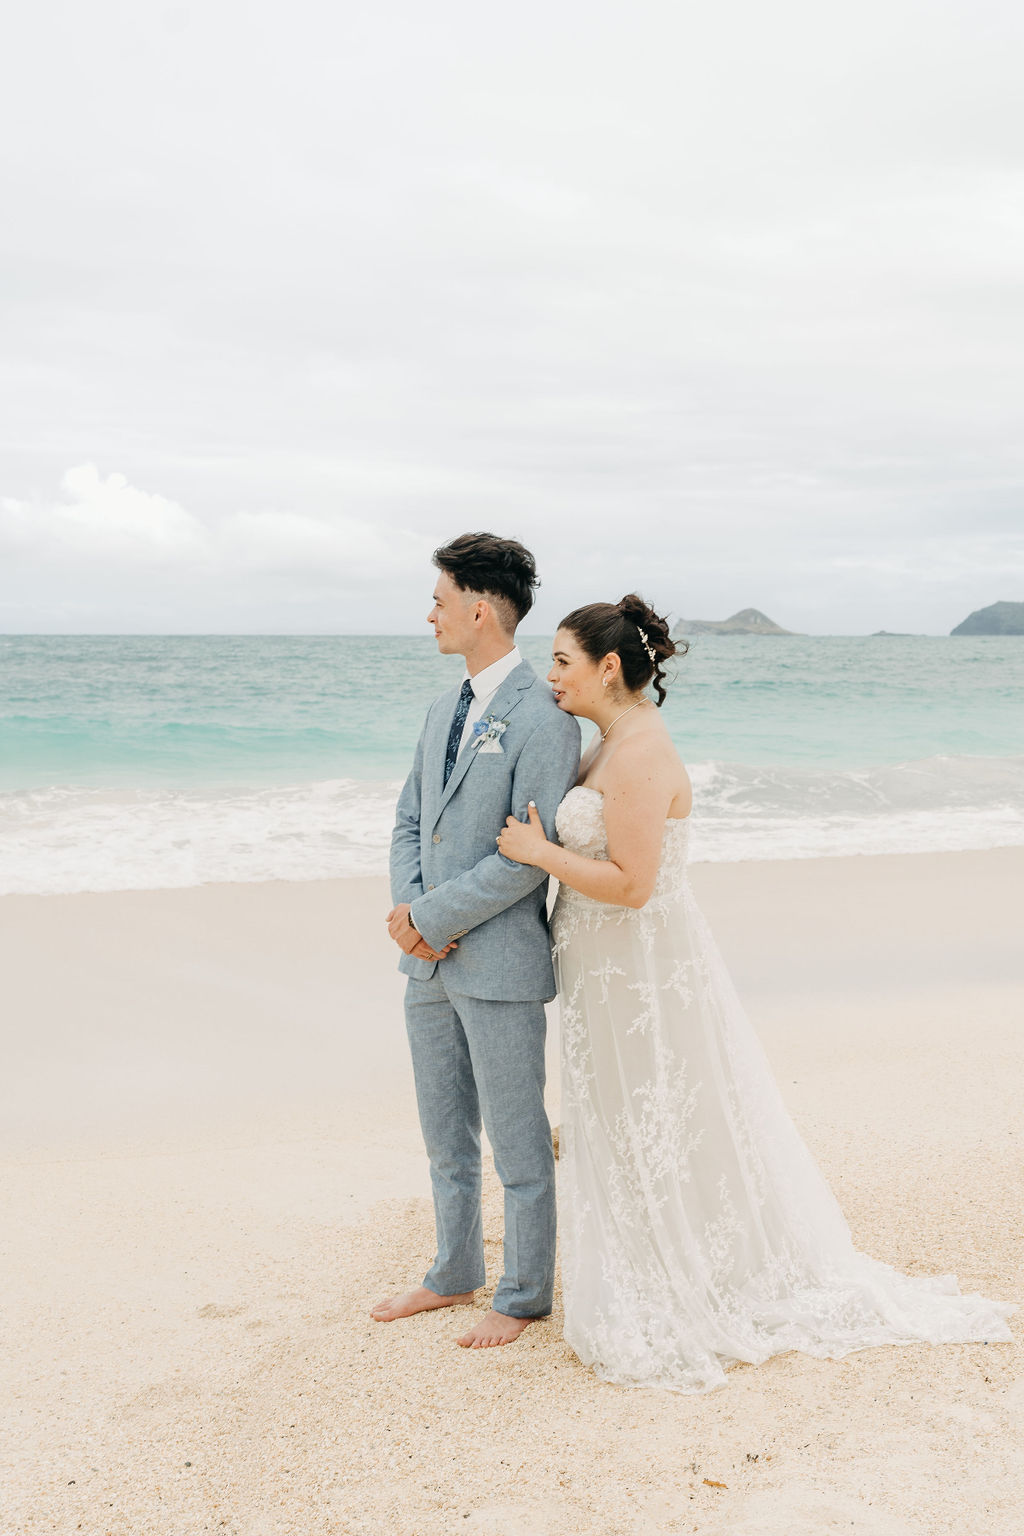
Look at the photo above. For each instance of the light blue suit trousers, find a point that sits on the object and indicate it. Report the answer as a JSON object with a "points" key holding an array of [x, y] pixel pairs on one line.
{"points": [[478, 1060]]}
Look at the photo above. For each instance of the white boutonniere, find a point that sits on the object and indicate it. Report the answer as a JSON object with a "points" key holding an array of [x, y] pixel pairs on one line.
{"points": [[488, 733]]}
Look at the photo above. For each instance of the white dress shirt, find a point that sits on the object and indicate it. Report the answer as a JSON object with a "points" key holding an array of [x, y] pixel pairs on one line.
{"points": [[485, 686]]}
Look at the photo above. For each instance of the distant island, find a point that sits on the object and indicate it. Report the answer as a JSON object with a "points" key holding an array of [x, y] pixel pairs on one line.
{"points": [[996, 619], [749, 621]]}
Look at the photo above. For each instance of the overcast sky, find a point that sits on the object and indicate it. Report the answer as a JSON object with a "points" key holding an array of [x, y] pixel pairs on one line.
{"points": [[721, 302]]}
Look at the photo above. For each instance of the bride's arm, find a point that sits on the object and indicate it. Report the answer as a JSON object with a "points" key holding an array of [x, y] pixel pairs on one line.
{"points": [[639, 788]]}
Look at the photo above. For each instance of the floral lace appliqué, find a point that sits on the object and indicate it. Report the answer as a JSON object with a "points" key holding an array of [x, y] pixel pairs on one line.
{"points": [[697, 1230]]}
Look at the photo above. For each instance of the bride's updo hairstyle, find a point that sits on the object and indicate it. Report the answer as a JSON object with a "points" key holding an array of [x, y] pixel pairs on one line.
{"points": [[603, 628]]}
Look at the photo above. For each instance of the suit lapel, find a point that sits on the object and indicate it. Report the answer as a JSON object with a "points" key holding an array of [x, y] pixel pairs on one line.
{"points": [[501, 706], [434, 748]]}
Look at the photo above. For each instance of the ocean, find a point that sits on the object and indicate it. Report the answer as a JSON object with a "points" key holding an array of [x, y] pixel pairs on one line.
{"points": [[138, 762]]}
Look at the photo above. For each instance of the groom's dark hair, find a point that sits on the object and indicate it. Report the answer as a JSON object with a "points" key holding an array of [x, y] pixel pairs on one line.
{"points": [[502, 570]]}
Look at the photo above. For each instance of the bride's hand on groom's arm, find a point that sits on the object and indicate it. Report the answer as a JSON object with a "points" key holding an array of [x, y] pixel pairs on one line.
{"points": [[524, 841]]}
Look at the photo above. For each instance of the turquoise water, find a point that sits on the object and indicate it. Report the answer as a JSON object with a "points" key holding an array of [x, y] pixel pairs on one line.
{"points": [[130, 762], [193, 710]]}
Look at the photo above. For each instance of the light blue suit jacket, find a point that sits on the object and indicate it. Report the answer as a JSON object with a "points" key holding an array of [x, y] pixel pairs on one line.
{"points": [[444, 860]]}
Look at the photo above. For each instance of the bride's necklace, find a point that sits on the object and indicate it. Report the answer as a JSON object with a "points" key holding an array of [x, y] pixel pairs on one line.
{"points": [[624, 712]]}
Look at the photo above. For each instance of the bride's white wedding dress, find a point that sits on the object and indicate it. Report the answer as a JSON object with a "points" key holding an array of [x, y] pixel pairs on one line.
{"points": [[697, 1230]]}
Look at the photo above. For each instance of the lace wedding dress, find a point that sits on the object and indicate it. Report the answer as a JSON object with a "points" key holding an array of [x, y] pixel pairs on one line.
{"points": [[697, 1230]]}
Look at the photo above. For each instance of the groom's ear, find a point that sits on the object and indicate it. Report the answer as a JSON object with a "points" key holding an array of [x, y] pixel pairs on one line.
{"points": [[485, 610], [495, 607]]}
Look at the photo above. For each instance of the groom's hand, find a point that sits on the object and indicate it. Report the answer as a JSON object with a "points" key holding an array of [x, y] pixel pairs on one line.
{"points": [[400, 928], [407, 938]]}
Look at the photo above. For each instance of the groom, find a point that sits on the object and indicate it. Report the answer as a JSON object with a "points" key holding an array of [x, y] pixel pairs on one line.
{"points": [[473, 928]]}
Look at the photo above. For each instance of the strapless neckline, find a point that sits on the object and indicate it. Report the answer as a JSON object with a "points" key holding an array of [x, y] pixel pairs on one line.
{"points": [[580, 824], [669, 820]]}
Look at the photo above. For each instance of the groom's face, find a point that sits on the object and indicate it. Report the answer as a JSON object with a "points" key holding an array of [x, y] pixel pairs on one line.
{"points": [[453, 617]]}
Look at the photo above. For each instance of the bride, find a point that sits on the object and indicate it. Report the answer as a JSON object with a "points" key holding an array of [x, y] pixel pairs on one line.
{"points": [[697, 1230]]}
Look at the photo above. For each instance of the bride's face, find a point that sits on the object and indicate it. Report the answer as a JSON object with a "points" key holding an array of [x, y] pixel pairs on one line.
{"points": [[575, 679]]}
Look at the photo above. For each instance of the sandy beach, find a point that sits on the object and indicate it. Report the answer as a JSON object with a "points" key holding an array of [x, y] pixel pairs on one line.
{"points": [[212, 1168]]}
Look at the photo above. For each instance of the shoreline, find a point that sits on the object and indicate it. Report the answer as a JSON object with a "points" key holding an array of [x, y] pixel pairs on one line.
{"points": [[62, 841], [212, 1168]]}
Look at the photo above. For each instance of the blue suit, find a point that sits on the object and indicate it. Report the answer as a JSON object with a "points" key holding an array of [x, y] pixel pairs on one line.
{"points": [[476, 1019]]}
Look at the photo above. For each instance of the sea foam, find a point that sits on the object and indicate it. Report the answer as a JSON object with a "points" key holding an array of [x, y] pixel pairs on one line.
{"points": [[69, 839]]}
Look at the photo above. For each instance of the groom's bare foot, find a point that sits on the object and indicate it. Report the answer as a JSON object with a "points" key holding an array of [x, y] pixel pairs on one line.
{"points": [[419, 1300], [495, 1328]]}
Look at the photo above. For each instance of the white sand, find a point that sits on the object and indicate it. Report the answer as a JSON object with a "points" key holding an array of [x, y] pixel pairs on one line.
{"points": [[212, 1168]]}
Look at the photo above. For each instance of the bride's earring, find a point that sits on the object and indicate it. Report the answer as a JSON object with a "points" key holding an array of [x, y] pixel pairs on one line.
{"points": [[604, 682]]}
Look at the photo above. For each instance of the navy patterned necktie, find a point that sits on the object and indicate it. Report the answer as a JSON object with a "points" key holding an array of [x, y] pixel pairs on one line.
{"points": [[458, 724]]}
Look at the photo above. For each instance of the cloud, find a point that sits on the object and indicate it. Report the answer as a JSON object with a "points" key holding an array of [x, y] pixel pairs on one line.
{"points": [[108, 519], [117, 543], [287, 541], [103, 520], [347, 553]]}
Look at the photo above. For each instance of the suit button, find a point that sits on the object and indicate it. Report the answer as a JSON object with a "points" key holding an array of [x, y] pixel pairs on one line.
{"points": [[437, 837], [430, 887]]}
